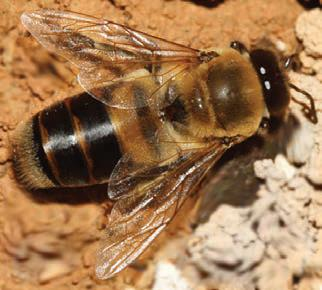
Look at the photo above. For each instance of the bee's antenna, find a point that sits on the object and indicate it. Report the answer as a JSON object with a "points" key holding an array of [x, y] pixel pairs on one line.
{"points": [[308, 110]]}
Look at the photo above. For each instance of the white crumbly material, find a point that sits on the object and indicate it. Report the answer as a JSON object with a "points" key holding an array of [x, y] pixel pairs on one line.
{"points": [[266, 244], [263, 245], [168, 277], [308, 30]]}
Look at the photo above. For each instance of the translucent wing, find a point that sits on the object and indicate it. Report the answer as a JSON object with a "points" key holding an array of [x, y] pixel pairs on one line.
{"points": [[152, 196], [111, 57]]}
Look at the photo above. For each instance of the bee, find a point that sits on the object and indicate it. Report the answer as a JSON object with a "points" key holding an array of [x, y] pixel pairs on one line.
{"points": [[154, 118]]}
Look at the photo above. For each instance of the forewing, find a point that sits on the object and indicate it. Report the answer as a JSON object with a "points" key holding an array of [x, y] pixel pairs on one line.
{"points": [[109, 56], [150, 202]]}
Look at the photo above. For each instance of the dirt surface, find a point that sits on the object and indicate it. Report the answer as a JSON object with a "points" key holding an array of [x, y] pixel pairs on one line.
{"points": [[48, 239]]}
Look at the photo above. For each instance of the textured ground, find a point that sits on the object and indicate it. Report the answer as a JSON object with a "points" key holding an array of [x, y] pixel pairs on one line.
{"points": [[49, 242]]}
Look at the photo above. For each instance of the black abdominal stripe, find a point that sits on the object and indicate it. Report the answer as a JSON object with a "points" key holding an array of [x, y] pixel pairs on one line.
{"points": [[71, 143]]}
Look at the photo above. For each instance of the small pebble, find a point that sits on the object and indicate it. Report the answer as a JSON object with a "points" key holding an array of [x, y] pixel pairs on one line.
{"points": [[53, 270], [44, 243]]}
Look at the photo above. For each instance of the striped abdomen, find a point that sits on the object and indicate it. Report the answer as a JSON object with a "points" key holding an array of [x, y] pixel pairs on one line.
{"points": [[71, 143]]}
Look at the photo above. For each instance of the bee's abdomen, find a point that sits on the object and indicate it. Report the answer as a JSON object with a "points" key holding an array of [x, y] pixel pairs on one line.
{"points": [[72, 143]]}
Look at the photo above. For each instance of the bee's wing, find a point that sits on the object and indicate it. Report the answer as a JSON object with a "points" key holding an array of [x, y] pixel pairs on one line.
{"points": [[151, 197], [107, 54]]}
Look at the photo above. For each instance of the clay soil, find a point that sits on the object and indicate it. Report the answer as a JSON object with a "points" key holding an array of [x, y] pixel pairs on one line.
{"points": [[48, 239]]}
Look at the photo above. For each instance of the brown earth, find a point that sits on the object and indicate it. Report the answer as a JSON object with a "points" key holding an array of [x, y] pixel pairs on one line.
{"points": [[48, 239]]}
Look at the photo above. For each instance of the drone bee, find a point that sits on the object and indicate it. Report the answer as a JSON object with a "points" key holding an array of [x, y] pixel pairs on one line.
{"points": [[154, 117]]}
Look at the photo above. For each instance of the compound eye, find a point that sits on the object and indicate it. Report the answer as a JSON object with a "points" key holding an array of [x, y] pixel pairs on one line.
{"points": [[240, 47]]}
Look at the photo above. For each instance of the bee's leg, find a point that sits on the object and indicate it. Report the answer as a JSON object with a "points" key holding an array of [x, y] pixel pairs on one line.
{"points": [[206, 56], [229, 141], [240, 47], [308, 110]]}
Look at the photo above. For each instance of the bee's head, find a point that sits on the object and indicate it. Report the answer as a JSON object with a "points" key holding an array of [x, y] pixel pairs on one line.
{"points": [[273, 80], [275, 84]]}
